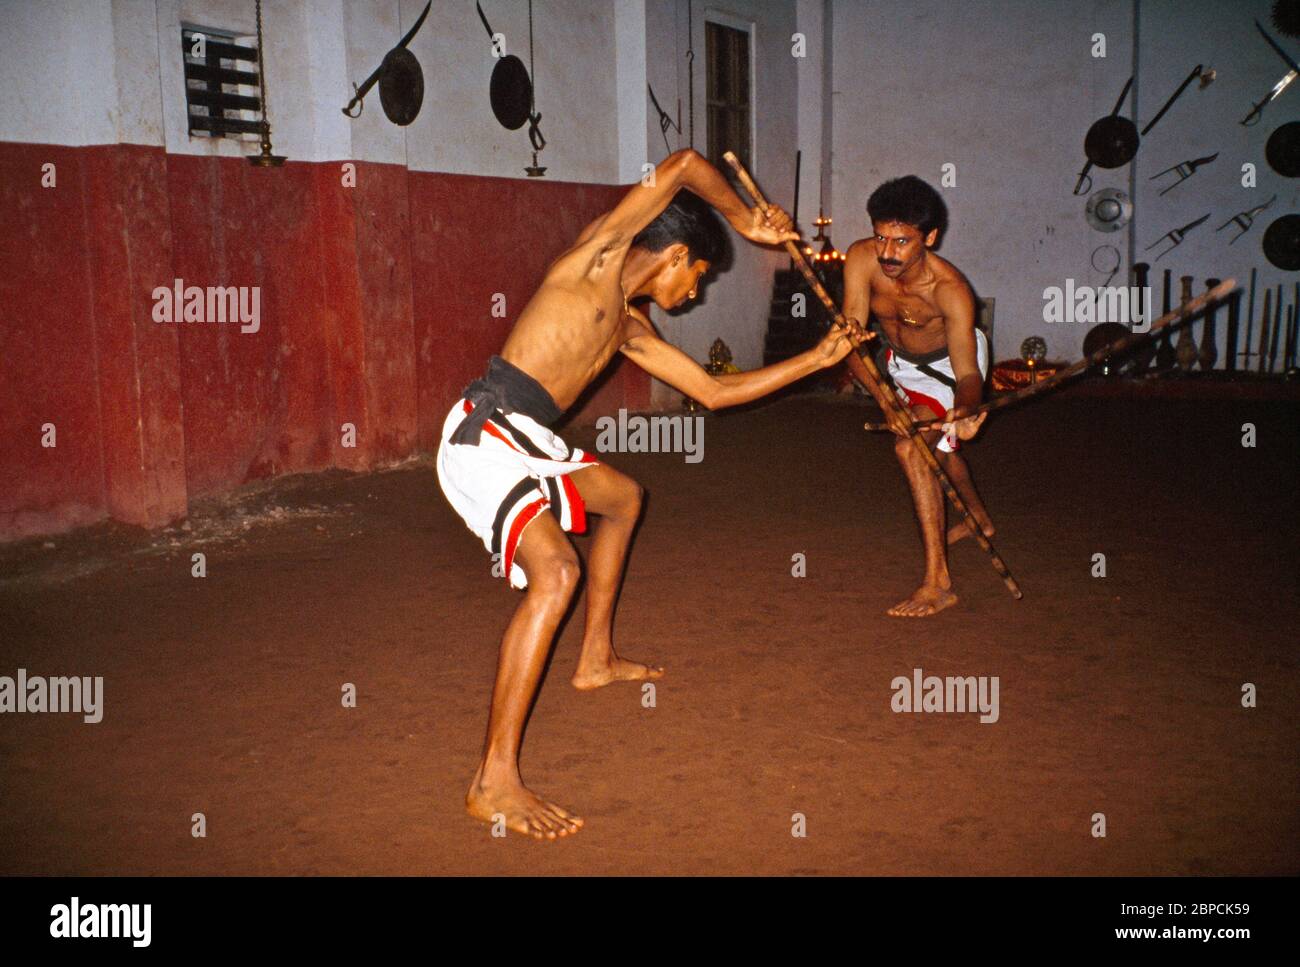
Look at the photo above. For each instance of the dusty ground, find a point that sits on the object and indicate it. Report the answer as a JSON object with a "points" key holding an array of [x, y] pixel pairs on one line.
{"points": [[1118, 695]]}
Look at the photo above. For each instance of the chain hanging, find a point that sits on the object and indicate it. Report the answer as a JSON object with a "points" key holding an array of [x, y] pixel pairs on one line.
{"points": [[266, 159], [534, 119]]}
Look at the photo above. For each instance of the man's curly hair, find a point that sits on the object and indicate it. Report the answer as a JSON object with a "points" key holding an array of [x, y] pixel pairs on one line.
{"points": [[911, 201]]}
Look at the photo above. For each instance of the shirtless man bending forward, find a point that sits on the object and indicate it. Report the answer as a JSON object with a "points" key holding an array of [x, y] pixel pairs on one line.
{"points": [[934, 354], [519, 487]]}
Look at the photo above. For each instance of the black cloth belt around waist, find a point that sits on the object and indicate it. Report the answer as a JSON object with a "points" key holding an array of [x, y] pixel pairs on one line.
{"points": [[508, 389], [921, 361]]}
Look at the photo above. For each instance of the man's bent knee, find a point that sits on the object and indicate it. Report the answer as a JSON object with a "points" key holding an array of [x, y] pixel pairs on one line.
{"points": [[626, 499], [555, 574], [548, 559], [904, 448], [634, 498]]}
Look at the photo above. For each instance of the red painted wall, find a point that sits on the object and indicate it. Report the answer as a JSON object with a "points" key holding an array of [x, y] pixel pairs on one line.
{"points": [[375, 310]]}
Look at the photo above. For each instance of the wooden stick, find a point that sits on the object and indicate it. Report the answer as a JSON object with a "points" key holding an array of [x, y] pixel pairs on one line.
{"points": [[1250, 320], [1189, 308], [885, 398], [1265, 321], [1288, 346], [1277, 328]]}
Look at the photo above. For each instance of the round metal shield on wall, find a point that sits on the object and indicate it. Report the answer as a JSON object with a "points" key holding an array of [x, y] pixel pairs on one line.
{"points": [[1282, 242], [401, 86], [511, 92], [1283, 150], [1109, 210]]}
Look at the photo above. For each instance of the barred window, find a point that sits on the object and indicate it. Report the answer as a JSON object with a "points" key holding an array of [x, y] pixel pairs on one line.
{"points": [[222, 91]]}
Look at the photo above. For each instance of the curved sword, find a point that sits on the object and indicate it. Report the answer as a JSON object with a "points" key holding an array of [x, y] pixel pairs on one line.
{"points": [[1256, 111]]}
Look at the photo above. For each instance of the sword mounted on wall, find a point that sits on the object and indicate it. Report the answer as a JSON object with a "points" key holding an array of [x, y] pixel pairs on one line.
{"points": [[1285, 82]]}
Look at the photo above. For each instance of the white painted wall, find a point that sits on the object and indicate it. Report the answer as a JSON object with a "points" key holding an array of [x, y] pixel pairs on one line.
{"points": [[630, 56], [327, 60], [56, 72]]}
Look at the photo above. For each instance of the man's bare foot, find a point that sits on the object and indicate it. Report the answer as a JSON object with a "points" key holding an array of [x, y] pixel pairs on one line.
{"points": [[618, 670], [927, 600], [959, 530], [524, 812]]}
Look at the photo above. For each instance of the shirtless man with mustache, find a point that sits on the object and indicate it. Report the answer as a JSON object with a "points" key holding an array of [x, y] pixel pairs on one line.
{"points": [[925, 310]]}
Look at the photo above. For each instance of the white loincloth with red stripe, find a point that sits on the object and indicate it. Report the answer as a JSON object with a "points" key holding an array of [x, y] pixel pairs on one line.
{"points": [[929, 381], [518, 469]]}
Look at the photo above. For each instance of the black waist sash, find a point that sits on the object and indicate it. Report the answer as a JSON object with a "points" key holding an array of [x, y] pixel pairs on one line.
{"points": [[921, 361], [508, 389]]}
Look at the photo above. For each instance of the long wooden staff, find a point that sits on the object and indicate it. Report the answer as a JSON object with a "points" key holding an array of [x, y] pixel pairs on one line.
{"points": [[886, 399], [1074, 369]]}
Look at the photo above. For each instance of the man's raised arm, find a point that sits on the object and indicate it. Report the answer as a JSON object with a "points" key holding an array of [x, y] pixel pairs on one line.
{"points": [[688, 169]]}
